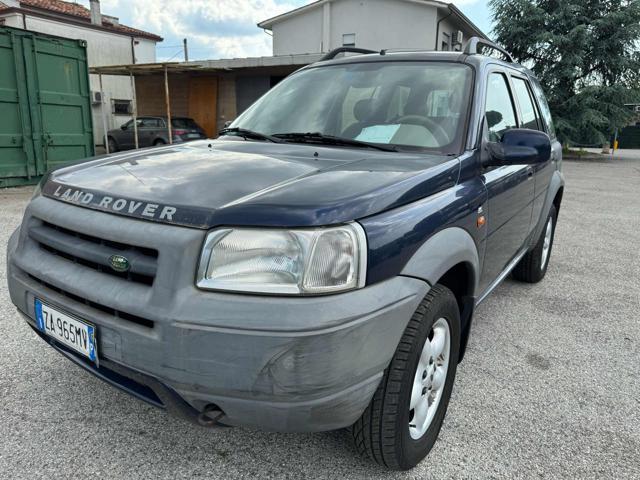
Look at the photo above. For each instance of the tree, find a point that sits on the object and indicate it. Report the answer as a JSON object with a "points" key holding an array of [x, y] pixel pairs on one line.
{"points": [[585, 54]]}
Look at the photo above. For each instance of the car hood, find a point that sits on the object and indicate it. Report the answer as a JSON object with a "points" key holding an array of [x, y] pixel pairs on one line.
{"points": [[227, 182]]}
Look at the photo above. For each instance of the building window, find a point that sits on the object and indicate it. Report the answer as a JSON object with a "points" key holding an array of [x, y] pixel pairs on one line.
{"points": [[121, 107], [349, 40], [446, 46]]}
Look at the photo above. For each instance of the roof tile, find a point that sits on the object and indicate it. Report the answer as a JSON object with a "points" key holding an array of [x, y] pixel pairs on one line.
{"points": [[76, 10]]}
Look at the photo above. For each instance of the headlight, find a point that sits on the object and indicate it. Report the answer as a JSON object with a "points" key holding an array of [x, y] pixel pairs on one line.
{"points": [[290, 262]]}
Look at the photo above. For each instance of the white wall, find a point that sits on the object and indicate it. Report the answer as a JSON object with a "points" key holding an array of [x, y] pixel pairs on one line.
{"points": [[103, 48], [299, 34], [377, 24], [382, 24], [448, 26]]}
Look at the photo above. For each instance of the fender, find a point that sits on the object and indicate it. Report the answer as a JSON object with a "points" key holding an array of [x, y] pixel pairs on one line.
{"points": [[443, 251], [556, 183]]}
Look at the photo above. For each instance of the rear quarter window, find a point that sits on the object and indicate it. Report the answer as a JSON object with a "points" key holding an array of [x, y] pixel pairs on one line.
{"points": [[544, 107]]}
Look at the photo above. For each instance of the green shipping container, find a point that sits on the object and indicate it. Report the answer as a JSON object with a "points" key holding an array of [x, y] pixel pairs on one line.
{"points": [[45, 105]]}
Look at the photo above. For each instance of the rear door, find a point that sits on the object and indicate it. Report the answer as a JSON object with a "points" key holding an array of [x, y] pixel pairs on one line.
{"points": [[147, 130], [125, 137], [531, 119], [544, 172], [510, 188]]}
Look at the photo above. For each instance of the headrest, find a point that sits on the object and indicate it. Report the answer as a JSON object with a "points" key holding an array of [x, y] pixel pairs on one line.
{"points": [[363, 109]]}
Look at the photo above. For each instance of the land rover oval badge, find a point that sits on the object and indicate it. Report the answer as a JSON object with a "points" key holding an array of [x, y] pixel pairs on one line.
{"points": [[119, 263]]}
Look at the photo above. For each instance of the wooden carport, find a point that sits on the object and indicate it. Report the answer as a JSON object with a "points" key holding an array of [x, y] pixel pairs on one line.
{"points": [[203, 90]]}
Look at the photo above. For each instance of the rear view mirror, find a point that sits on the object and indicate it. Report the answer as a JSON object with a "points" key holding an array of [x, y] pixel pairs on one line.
{"points": [[520, 146]]}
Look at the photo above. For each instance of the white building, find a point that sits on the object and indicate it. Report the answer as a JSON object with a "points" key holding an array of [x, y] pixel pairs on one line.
{"points": [[108, 43], [373, 24]]}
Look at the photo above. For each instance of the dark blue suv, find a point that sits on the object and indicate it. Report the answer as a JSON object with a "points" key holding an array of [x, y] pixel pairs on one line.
{"points": [[316, 267]]}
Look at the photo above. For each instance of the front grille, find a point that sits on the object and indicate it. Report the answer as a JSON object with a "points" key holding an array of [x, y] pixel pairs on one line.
{"points": [[110, 311], [95, 253]]}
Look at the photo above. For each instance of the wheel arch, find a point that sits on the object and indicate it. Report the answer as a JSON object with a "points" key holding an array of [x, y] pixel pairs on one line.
{"points": [[554, 197], [450, 258], [557, 200]]}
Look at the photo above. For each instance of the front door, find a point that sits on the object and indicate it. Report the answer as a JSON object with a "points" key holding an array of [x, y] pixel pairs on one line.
{"points": [[510, 188], [125, 137]]}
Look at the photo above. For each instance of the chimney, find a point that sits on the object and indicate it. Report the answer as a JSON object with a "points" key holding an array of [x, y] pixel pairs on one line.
{"points": [[96, 17]]}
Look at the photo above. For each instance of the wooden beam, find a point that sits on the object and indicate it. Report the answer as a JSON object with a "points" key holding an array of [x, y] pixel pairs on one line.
{"points": [[167, 100], [135, 110]]}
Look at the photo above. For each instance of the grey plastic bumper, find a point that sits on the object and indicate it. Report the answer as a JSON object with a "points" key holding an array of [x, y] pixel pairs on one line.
{"points": [[278, 363]]}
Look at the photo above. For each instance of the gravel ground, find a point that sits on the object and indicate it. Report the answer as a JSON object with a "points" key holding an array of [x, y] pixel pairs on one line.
{"points": [[550, 386]]}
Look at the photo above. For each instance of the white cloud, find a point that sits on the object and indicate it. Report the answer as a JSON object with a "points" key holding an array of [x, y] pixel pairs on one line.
{"points": [[215, 28]]}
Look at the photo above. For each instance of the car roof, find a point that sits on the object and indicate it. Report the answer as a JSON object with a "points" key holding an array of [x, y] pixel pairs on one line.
{"points": [[475, 60]]}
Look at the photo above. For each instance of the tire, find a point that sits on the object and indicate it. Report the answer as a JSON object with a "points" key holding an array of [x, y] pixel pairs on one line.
{"points": [[533, 266], [113, 146], [159, 142], [383, 432]]}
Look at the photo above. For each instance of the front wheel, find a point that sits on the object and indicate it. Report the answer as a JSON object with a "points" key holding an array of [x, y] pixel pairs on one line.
{"points": [[401, 424], [533, 266], [113, 146]]}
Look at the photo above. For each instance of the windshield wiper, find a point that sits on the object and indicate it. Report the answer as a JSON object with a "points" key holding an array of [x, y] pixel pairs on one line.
{"points": [[244, 133], [331, 140]]}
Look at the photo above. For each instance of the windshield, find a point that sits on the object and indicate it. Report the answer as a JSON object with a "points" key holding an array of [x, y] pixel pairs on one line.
{"points": [[406, 104]]}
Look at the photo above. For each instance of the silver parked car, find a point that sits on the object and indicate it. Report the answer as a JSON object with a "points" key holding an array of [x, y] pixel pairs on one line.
{"points": [[153, 131]]}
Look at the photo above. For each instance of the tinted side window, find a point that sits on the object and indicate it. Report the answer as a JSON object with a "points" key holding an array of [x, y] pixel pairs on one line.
{"points": [[500, 114], [544, 107], [527, 105], [151, 123]]}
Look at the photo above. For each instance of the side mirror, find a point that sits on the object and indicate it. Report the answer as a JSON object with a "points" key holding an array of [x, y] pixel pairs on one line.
{"points": [[520, 146], [123, 127]]}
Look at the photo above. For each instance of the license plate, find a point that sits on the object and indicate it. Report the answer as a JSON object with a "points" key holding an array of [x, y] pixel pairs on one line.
{"points": [[72, 332], [193, 135]]}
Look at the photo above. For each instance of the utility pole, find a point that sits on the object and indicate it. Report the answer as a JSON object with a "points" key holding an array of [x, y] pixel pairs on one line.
{"points": [[186, 50]]}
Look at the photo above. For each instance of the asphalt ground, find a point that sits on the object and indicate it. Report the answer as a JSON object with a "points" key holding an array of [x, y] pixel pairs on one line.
{"points": [[550, 387]]}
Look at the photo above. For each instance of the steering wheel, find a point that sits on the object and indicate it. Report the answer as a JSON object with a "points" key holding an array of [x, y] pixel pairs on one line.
{"points": [[439, 133]]}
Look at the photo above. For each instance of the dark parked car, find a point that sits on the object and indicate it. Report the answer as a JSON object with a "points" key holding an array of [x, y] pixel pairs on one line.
{"points": [[153, 131], [317, 266]]}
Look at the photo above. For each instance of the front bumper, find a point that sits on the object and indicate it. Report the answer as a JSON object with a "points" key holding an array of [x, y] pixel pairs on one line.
{"points": [[282, 364]]}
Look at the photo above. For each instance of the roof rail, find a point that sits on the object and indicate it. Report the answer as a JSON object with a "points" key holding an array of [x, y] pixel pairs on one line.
{"points": [[471, 47], [334, 53]]}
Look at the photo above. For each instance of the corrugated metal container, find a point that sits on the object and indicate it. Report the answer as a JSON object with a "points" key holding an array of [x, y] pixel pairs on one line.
{"points": [[45, 104]]}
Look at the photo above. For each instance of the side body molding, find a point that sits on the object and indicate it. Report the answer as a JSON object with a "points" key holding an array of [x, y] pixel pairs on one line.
{"points": [[440, 253]]}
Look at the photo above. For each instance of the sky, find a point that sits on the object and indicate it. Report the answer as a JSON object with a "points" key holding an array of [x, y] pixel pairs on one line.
{"points": [[224, 28]]}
